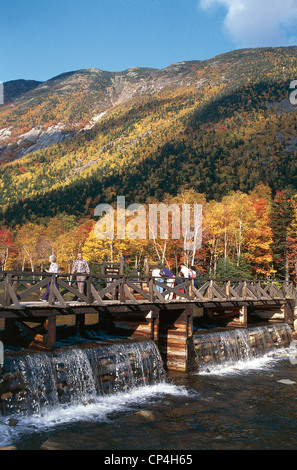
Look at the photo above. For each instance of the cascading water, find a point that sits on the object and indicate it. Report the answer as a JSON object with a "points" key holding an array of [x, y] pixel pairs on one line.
{"points": [[36, 381], [230, 347]]}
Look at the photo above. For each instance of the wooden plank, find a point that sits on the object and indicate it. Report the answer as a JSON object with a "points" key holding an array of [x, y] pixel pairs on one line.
{"points": [[158, 294], [222, 316], [198, 295], [61, 301], [129, 294], [277, 292], [251, 293], [263, 294], [96, 295], [234, 294], [266, 289], [205, 288], [138, 289], [109, 288], [220, 294], [34, 288], [71, 289], [13, 297]]}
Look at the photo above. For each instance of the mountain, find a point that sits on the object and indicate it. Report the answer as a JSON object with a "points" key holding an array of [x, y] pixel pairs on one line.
{"points": [[84, 137], [16, 88], [75, 101]]}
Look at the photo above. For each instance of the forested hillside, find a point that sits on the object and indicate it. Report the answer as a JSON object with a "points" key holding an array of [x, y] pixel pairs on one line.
{"points": [[213, 127]]}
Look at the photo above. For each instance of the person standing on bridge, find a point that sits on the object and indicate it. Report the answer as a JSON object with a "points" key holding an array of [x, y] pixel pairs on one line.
{"points": [[54, 268], [184, 271], [156, 273], [192, 273], [81, 267], [168, 274]]}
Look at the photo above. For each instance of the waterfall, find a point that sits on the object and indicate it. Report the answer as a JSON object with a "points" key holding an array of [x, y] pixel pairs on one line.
{"points": [[71, 376], [239, 345]]}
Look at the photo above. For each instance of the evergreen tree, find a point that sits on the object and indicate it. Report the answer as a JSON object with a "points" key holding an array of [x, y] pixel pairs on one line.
{"points": [[282, 214]]}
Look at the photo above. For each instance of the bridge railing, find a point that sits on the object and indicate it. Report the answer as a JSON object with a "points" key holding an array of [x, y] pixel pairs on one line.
{"points": [[20, 287]]}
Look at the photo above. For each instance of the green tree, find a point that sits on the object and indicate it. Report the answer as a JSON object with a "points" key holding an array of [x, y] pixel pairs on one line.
{"points": [[282, 215]]}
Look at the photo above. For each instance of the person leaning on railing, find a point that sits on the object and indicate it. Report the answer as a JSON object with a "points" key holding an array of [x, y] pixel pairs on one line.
{"points": [[81, 267]]}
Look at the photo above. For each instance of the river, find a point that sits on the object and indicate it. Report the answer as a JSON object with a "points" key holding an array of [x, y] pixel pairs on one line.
{"points": [[250, 405]]}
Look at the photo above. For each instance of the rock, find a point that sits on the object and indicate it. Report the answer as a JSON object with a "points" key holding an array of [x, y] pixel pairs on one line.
{"points": [[141, 416], [148, 415], [287, 381], [73, 441], [12, 422], [42, 139], [8, 448], [52, 444]]}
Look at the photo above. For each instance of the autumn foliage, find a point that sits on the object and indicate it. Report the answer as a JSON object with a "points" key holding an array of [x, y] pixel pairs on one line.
{"points": [[243, 235]]}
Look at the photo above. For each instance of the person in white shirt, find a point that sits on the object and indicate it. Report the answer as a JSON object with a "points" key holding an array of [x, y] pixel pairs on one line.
{"points": [[185, 271], [156, 273], [54, 268]]}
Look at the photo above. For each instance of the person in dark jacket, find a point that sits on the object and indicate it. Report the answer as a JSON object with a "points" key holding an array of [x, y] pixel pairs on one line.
{"points": [[167, 273]]}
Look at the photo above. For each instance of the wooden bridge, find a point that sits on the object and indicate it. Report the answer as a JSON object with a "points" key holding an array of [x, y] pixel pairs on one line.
{"points": [[137, 306]]}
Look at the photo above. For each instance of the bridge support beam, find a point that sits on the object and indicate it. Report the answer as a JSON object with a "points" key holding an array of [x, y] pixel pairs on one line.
{"points": [[170, 328], [41, 330], [176, 339], [135, 323], [80, 322], [47, 340], [228, 316], [243, 316], [288, 311]]}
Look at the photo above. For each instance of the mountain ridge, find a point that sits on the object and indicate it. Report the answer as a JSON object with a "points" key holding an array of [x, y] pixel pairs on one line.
{"points": [[84, 136]]}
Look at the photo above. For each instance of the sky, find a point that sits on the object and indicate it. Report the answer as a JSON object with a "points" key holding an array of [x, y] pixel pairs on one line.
{"points": [[43, 38]]}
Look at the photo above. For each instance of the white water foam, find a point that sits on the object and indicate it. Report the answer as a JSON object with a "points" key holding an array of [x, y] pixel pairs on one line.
{"points": [[241, 367], [100, 410], [230, 351]]}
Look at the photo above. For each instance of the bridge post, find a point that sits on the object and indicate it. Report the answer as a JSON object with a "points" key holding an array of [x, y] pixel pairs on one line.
{"points": [[89, 289], [176, 337], [80, 321], [288, 310], [228, 289], [7, 300], [207, 313], [155, 325], [47, 340], [243, 316]]}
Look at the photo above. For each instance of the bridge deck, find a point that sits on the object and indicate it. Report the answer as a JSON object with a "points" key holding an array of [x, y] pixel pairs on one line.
{"points": [[161, 310], [20, 290]]}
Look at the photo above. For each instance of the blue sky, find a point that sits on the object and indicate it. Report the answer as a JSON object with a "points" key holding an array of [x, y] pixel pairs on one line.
{"points": [[41, 39]]}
